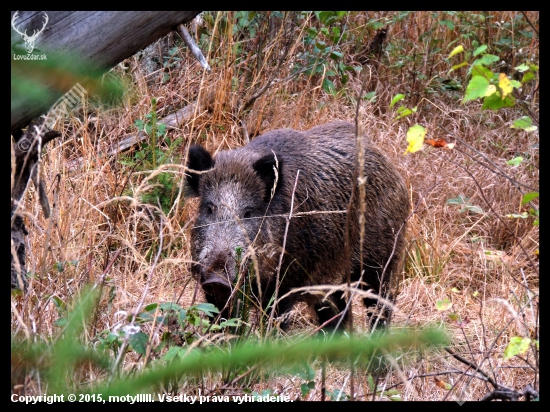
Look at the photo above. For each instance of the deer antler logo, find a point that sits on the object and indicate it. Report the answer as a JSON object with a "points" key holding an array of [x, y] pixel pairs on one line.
{"points": [[29, 40]]}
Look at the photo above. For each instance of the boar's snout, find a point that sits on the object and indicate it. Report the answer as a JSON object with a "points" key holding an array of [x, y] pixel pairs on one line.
{"points": [[216, 278], [218, 288]]}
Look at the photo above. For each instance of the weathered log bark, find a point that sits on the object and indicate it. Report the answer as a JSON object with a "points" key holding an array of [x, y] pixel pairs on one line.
{"points": [[100, 39]]}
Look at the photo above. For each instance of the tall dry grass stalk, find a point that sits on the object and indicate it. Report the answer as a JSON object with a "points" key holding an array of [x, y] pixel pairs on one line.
{"points": [[101, 231]]}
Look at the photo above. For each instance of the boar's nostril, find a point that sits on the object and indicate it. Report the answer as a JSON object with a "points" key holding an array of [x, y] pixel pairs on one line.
{"points": [[217, 274], [218, 266]]}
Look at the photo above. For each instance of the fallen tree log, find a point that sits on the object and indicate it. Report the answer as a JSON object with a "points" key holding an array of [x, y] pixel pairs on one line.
{"points": [[91, 42]]}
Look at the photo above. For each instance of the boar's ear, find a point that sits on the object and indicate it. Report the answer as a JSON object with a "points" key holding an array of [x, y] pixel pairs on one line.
{"points": [[265, 166], [200, 160]]}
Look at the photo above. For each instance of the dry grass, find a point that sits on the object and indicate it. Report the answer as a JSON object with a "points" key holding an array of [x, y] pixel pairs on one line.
{"points": [[483, 262]]}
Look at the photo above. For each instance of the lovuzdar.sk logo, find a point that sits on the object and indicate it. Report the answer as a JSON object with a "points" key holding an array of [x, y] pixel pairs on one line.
{"points": [[29, 40]]}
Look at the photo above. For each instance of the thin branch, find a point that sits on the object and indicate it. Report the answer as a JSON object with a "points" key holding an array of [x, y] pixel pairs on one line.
{"points": [[195, 50], [529, 21], [472, 365], [270, 322]]}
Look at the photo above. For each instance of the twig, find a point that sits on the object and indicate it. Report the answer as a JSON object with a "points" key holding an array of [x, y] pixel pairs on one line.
{"points": [[529, 21], [476, 367], [472, 365], [278, 272], [511, 395], [195, 51]]}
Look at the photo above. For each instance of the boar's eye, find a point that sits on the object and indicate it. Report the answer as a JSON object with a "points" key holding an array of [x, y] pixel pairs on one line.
{"points": [[210, 209], [247, 214]]}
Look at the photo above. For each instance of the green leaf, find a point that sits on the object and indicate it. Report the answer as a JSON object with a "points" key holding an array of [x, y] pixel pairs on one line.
{"points": [[456, 50], [304, 371], [479, 70], [486, 60], [170, 306], [517, 346], [312, 31], [305, 388], [480, 50], [528, 76], [476, 88], [450, 25], [516, 161], [138, 342], [473, 209], [370, 382], [521, 68], [396, 99], [523, 215], [402, 112], [443, 304], [171, 354], [182, 317], [324, 16], [459, 200], [370, 96], [143, 317], [59, 304], [151, 307], [405, 111], [328, 86], [495, 102], [524, 123], [335, 34], [207, 308], [458, 66], [527, 197], [231, 322]]}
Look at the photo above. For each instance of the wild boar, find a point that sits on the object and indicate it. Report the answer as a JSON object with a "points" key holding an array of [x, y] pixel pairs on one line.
{"points": [[246, 193]]}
